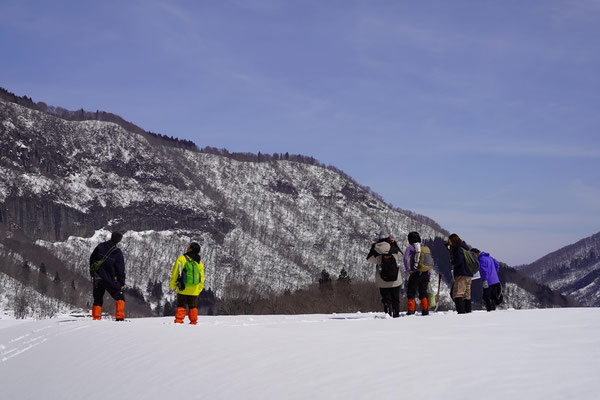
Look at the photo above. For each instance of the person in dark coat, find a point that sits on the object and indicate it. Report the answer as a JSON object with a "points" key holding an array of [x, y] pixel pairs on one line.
{"points": [[417, 281], [461, 289], [492, 289], [110, 277]]}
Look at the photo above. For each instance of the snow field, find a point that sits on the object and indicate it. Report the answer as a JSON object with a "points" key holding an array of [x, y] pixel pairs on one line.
{"points": [[533, 354]]}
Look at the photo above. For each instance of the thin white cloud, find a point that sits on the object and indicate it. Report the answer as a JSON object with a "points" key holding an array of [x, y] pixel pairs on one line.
{"points": [[175, 11], [372, 28], [547, 151], [526, 149], [511, 221]]}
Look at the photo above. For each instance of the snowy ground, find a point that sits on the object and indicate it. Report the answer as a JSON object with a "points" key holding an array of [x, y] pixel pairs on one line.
{"points": [[529, 354]]}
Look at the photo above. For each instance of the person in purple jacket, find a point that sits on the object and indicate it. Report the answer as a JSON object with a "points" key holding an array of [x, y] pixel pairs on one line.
{"points": [[492, 289]]}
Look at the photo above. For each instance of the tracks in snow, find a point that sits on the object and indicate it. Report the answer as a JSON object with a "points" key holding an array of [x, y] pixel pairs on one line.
{"points": [[13, 347]]}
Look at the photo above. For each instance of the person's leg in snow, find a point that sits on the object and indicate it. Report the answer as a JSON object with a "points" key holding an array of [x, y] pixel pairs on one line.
{"points": [[98, 294], [423, 286], [468, 306], [193, 315], [459, 292], [180, 313], [460, 305], [119, 297], [192, 303], [411, 291], [386, 299], [395, 291], [487, 299], [96, 312], [468, 281]]}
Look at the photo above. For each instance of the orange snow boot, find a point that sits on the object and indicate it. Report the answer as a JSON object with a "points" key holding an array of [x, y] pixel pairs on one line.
{"points": [[193, 316], [120, 310], [411, 307], [179, 315], [96, 312], [424, 306]]}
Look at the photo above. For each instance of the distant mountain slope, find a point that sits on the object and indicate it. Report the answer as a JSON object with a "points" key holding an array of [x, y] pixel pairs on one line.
{"points": [[272, 225], [573, 270]]}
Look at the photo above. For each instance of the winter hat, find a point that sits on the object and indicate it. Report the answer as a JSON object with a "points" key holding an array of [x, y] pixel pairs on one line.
{"points": [[414, 237], [194, 248], [116, 237], [474, 250]]}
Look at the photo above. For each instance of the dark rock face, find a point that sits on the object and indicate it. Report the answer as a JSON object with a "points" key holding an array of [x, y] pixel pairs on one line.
{"points": [[285, 188], [43, 219], [353, 193]]}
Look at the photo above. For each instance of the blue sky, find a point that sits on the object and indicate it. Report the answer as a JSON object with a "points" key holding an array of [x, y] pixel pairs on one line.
{"points": [[481, 115]]}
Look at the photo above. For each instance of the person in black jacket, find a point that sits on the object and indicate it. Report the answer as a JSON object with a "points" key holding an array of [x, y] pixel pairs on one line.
{"points": [[461, 289], [110, 277]]}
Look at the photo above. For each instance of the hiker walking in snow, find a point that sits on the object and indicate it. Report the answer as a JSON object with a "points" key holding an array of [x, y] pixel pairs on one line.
{"points": [[461, 289], [492, 289], [107, 268], [385, 254], [187, 279], [417, 264]]}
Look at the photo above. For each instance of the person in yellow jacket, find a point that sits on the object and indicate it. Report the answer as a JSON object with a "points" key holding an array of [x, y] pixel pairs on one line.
{"points": [[187, 279]]}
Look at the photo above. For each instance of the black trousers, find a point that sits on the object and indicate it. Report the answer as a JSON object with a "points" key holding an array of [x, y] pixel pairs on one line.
{"points": [[492, 296], [391, 297], [184, 300], [98, 292], [417, 281]]}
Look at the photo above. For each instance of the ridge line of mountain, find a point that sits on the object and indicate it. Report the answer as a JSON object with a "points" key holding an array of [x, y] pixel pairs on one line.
{"points": [[171, 141], [595, 236]]}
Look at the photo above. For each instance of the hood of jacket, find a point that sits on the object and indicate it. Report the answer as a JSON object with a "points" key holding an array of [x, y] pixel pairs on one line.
{"points": [[382, 247], [193, 256]]}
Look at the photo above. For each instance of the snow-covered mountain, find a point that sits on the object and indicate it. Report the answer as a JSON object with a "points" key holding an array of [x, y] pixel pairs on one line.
{"points": [[573, 270], [272, 225]]}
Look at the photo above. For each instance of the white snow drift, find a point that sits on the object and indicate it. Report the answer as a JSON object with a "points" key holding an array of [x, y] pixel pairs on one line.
{"points": [[529, 354]]}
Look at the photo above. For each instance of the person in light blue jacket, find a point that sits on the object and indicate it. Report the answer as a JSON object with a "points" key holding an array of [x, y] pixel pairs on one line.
{"points": [[492, 289]]}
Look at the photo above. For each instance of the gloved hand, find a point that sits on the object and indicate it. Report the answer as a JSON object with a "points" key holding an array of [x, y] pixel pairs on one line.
{"points": [[485, 284]]}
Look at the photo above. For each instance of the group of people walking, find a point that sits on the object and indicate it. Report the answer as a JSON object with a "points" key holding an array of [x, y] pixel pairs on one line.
{"points": [[107, 269], [385, 254]]}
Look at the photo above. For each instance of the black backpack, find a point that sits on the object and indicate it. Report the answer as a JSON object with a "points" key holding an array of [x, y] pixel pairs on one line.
{"points": [[388, 270]]}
